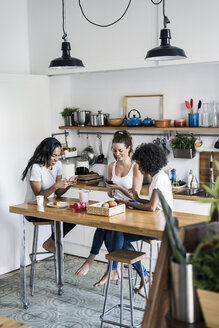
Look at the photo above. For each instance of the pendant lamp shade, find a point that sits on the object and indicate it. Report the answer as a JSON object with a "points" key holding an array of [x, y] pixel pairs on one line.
{"points": [[66, 61], [165, 51]]}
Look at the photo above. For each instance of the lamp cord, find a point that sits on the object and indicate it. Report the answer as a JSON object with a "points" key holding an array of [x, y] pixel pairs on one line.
{"points": [[64, 37], [107, 25], [165, 18]]}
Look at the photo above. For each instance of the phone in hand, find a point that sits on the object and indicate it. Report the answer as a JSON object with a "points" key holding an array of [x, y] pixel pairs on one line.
{"points": [[109, 182]]}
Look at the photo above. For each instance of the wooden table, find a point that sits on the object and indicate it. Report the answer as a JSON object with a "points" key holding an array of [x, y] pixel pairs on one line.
{"points": [[132, 221], [8, 323]]}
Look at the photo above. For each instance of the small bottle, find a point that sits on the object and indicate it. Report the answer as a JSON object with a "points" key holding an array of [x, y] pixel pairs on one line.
{"points": [[194, 182], [190, 175], [173, 171]]}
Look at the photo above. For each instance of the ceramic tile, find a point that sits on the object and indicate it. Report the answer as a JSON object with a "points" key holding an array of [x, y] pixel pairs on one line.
{"points": [[80, 305]]}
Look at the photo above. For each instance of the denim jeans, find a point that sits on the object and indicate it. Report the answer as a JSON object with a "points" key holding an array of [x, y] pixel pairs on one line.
{"points": [[66, 226]]}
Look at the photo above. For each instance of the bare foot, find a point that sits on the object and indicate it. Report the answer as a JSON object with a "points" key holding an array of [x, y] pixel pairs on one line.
{"points": [[114, 276], [49, 245], [140, 290], [83, 270]]}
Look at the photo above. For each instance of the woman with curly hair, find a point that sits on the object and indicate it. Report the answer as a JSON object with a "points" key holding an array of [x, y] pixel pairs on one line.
{"points": [[150, 159]]}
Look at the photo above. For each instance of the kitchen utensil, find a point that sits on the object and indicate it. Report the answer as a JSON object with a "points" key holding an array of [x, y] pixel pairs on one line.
{"points": [[115, 121], [199, 105], [133, 121], [156, 141], [147, 121], [100, 158], [187, 104], [180, 123], [164, 145], [82, 167], [89, 155], [193, 119], [191, 104], [100, 119], [82, 117], [164, 123]]}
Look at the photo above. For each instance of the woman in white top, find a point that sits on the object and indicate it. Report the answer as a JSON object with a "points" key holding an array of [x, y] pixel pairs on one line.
{"points": [[125, 174], [150, 159], [43, 174]]}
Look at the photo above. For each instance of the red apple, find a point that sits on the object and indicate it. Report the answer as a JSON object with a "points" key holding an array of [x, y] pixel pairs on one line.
{"points": [[112, 203]]}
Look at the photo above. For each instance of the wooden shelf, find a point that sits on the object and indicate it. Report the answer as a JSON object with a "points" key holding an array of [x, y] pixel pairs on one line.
{"points": [[140, 128]]}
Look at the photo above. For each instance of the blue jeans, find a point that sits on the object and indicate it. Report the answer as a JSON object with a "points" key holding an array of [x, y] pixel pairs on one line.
{"points": [[114, 240]]}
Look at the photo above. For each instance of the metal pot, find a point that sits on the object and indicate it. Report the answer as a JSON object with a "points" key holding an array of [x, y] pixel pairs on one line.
{"points": [[100, 119], [89, 155], [82, 117]]}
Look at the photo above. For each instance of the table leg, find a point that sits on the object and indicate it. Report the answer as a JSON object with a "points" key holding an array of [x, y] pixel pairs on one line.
{"points": [[58, 233], [23, 289]]}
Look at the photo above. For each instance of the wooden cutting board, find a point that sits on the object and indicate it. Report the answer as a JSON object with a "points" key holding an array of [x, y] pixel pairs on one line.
{"points": [[204, 166], [89, 177]]}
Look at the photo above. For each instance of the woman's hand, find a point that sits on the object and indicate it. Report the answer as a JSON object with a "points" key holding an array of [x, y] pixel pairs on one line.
{"points": [[124, 201], [73, 180], [113, 186], [62, 184], [134, 195]]}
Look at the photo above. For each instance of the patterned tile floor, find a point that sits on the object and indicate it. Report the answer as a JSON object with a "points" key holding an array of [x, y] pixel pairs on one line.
{"points": [[80, 305]]}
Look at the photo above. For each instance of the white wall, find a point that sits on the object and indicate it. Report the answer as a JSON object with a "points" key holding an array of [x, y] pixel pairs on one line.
{"points": [[105, 91], [14, 57], [194, 27], [25, 121]]}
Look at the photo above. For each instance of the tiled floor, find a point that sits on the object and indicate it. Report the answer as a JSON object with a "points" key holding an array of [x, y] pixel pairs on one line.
{"points": [[80, 305]]}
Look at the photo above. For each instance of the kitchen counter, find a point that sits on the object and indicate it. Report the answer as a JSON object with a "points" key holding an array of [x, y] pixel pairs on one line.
{"points": [[101, 186]]}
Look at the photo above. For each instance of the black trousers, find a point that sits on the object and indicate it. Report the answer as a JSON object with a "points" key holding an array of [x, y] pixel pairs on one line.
{"points": [[66, 226]]}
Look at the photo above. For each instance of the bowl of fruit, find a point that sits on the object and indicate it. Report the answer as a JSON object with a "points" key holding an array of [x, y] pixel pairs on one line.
{"points": [[106, 208]]}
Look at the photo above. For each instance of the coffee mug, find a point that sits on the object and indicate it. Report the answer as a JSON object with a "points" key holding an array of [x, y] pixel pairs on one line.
{"points": [[84, 196]]}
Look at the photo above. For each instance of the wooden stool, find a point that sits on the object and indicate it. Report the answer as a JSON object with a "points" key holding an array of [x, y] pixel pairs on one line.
{"points": [[151, 242], [33, 255], [8, 323], [127, 257]]}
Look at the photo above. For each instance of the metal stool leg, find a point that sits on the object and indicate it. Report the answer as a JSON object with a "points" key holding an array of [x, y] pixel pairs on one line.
{"points": [[106, 293], [150, 266], [33, 259], [131, 295], [121, 294]]}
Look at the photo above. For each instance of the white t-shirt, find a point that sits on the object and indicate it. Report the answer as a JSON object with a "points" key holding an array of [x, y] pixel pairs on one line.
{"points": [[161, 181], [43, 174], [126, 182]]}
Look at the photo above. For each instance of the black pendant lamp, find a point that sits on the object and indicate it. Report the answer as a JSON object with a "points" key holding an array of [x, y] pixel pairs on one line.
{"points": [[66, 61], [165, 51]]}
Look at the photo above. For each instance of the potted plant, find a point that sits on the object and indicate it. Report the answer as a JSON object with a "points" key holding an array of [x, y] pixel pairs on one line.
{"points": [[206, 277], [184, 301], [214, 201], [183, 146], [68, 116]]}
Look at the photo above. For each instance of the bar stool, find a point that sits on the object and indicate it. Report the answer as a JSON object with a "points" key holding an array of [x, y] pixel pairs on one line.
{"points": [[151, 242], [33, 255], [124, 257]]}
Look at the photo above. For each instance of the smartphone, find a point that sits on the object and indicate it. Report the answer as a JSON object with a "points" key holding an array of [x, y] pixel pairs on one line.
{"points": [[109, 182]]}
